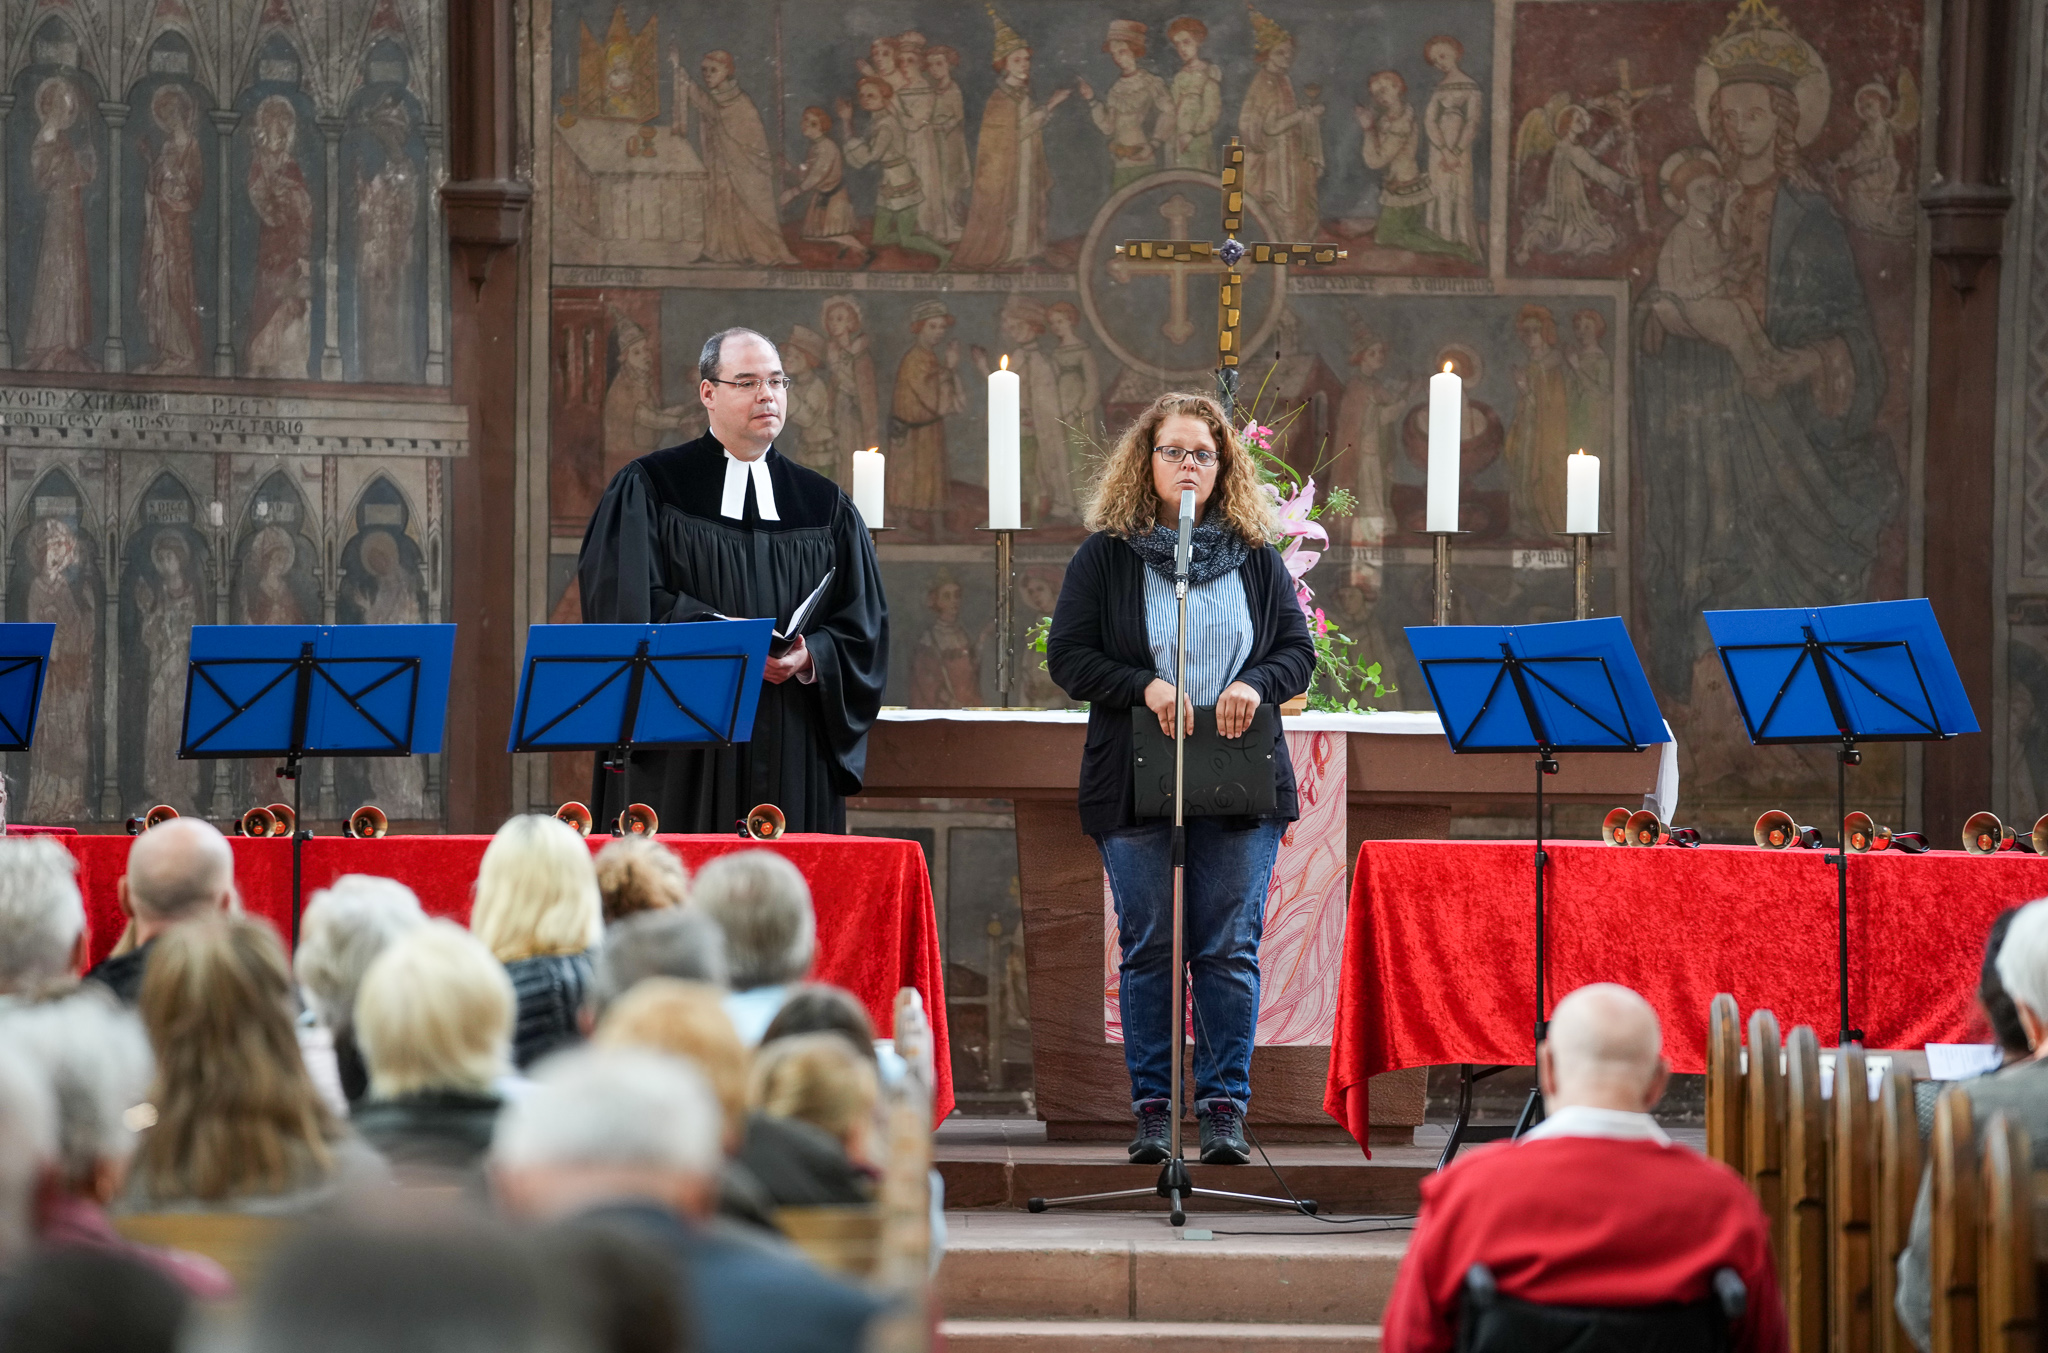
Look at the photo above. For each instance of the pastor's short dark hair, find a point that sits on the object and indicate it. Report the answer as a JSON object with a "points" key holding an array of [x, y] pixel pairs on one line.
{"points": [[708, 367]]}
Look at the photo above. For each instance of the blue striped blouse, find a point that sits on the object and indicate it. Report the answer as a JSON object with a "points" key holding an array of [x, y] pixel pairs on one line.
{"points": [[1219, 632]]}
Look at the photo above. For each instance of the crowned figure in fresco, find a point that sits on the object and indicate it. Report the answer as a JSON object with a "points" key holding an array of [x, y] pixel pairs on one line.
{"points": [[1006, 218], [280, 332], [742, 222], [173, 189], [1283, 141], [1760, 495], [1137, 112], [62, 165]]}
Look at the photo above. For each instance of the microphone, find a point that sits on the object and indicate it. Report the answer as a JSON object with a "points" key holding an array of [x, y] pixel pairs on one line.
{"points": [[1183, 552]]}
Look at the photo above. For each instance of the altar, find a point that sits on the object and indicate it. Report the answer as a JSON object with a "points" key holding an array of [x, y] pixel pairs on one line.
{"points": [[1361, 777]]}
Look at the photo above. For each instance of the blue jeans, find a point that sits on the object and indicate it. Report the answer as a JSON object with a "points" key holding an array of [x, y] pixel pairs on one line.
{"points": [[1227, 876]]}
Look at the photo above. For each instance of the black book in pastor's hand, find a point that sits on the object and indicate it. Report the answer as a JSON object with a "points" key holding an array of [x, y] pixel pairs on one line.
{"points": [[1226, 777], [785, 636]]}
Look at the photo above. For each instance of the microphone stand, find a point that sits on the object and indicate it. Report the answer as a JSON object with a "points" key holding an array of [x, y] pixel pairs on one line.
{"points": [[1175, 1183]]}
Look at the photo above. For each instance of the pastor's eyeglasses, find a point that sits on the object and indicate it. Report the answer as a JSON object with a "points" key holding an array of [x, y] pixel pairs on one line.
{"points": [[1174, 455], [752, 384]]}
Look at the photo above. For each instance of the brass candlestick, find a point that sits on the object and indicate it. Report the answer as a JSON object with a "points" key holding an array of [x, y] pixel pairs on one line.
{"points": [[1006, 611]]}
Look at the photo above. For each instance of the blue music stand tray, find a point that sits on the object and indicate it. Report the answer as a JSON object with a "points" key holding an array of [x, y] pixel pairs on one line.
{"points": [[295, 691], [1570, 686], [24, 656], [616, 688], [1877, 671]]}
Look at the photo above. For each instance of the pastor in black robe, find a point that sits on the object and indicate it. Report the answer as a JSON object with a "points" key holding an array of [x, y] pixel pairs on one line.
{"points": [[658, 551]]}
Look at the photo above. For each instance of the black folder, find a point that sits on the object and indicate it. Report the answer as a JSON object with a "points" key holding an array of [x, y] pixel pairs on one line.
{"points": [[1226, 777]]}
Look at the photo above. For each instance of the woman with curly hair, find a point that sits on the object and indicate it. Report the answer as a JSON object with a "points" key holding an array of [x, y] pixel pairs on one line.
{"points": [[1113, 644]]}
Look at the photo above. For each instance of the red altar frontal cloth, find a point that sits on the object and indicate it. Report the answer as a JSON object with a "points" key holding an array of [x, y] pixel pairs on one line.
{"points": [[876, 928], [1440, 946]]}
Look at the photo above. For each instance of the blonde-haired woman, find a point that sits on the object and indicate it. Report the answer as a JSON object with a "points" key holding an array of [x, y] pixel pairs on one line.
{"points": [[239, 1126], [433, 1017], [1113, 645], [539, 909]]}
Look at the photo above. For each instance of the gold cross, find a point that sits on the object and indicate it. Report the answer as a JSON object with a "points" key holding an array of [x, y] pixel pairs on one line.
{"points": [[1178, 259]]}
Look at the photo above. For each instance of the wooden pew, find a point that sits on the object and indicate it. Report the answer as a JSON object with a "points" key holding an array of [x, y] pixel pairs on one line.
{"points": [[1898, 1187], [238, 1243], [1764, 1130], [1725, 1120], [1952, 1248], [1806, 1196], [2006, 1272], [1852, 1170]]}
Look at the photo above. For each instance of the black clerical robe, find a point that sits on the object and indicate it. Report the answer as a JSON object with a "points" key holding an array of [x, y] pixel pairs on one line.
{"points": [[658, 551]]}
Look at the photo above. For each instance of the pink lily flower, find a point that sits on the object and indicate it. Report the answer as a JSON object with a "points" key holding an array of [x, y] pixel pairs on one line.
{"points": [[1295, 520]]}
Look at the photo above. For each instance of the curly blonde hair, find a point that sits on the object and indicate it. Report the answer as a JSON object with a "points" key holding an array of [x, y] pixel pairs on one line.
{"points": [[1124, 502]]}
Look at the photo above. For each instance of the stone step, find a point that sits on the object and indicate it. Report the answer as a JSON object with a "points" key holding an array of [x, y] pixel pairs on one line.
{"points": [[1136, 1269], [1151, 1336], [999, 1163]]}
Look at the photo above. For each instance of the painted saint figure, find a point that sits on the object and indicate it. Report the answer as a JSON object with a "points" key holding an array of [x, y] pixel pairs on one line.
{"points": [[850, 374], [810, 404], [61, 593], [1197, 97], [387, 592], [1048, 478], [741, 221], [167, 600], [945, 667], [1006, 220], [924, 139], [1567, 222], [265, 596], [387, 206], [949, 191], [885, 145], [174, 188], [635, 419], [1699, 280], [1452, 120], [1539, 433], [1591, 374], [1283, 144], [1872, 195], [61, 165], [1391, 144], [927, 391], [280, 327], [829, 218], [1371, 410], [1079, 381], [1137, 113]]}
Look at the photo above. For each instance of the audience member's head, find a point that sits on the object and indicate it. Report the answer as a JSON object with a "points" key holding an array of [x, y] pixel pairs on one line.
{"points": [[820, 1079], [821, 1008], [85, 1299], [177, 871], [2023, 970], [92, 1053], [688, 1020], [536, 891], [28, 1150], [1998, 1008], [237, 1114], [1604, 1051], [679, 942], [42, 919], [358, 1289], [763, 905], [639, 873], [344, 927], [609, 1125], [435, 1013]]}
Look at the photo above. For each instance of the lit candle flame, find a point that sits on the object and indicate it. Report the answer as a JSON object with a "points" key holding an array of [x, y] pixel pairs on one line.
{"points": [[1447, 368], [873, 449], [1580, 452], [1006, 361]]}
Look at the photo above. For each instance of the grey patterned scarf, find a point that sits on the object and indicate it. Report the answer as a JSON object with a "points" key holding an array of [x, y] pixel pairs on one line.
{"points": [[1217, 550]]}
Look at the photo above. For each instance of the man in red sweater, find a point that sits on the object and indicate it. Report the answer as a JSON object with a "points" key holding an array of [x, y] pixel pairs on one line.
{"points": [[1595, 1206]]}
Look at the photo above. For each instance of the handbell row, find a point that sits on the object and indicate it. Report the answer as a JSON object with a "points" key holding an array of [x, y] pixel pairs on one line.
{"points": [[1983, 834]]}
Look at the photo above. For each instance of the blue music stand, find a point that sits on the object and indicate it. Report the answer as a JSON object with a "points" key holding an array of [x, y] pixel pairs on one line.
{"points": [[24, 656], [1571, 686], [295, 691], [1877, 671], [617, 688]]}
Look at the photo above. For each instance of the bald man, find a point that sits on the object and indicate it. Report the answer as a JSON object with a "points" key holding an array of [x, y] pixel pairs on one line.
{"points": [[178, 871], [1595, 1207]]}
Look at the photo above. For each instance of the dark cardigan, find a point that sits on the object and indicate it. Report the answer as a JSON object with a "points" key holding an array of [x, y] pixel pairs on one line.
{"points": [[1098, 651]]}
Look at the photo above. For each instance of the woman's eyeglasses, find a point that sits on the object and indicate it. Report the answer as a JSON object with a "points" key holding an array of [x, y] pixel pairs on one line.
{"points": [[1174, 455]]}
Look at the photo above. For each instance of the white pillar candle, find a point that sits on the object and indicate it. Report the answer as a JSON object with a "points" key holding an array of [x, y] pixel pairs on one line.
{"points": [[867, 486], [1005, 449], [1446, 432], [1582, 494]]}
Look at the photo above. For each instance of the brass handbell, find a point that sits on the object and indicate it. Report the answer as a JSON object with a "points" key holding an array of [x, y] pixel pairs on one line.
{"points": [[1984, 834], [765, 823], [1645, 828], [637, 820], [283, 820], [1776, 830], [1614, 827], [576, 815], [257, 822], [368, 823], [156, 816], [1864, 834]]}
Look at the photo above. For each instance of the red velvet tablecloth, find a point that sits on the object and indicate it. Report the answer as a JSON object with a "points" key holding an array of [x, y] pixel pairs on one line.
{"points": [[876, 928], [1439, 946]]}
